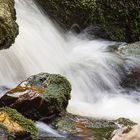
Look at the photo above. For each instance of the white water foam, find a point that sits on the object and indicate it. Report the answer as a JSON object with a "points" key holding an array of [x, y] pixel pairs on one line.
{"points": [[93, 71]]}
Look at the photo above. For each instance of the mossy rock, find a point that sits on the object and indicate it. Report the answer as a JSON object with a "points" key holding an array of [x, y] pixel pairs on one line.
{"points": [[125, 122], [16, 126], [42, 95], [84, 128], [8, 26], [119, 19]]}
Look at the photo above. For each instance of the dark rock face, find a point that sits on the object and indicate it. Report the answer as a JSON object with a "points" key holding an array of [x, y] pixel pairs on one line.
{"points": [[42, 95], [120, 20], [67, 12], [8, 26]]}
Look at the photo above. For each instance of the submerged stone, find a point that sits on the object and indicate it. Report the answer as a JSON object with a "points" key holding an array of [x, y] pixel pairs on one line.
{"points": [[14, 125], [8, 26], [42, 95]]}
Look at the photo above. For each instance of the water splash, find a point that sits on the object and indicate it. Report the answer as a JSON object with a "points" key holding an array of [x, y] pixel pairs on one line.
{"points": [[92, 69], [46, 130]]}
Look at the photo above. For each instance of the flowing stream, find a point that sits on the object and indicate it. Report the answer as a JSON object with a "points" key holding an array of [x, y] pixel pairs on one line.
{"points": [[92, 69]]}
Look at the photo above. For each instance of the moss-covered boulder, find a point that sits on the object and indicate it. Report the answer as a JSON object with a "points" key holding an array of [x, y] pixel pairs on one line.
{"points": [[14, 125], [42, 95], [119, 19], [8, 26]]}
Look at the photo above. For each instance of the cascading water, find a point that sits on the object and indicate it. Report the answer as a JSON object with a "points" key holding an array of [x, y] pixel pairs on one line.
{"points": [[93, 71]]}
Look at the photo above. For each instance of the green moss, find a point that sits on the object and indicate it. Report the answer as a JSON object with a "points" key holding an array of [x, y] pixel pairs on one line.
{"points": [[58, 92], [27, 124], [8, 26], [126, 122]]}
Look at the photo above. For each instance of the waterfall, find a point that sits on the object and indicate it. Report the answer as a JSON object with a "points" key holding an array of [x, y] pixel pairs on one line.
{"points": [[92, 69]]}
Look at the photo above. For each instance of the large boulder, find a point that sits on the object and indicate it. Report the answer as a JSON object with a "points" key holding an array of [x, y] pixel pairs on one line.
{"points": [[119, 19], [8, 26], [42, 95]]}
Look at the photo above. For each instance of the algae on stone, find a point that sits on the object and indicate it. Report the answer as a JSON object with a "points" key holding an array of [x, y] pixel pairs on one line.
{"points": [[8, 26]]}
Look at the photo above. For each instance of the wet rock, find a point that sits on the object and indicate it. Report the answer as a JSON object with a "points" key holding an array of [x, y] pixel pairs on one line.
{"points": [[14, 125], [131, 55], [119, 19], [130, 49], [40, 96], [84, 128], [8, 26]]}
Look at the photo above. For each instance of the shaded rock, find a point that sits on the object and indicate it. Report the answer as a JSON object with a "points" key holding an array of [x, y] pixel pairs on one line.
{"points": [[42, 95], [8, 26], [120, 20], [15, 125]]}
